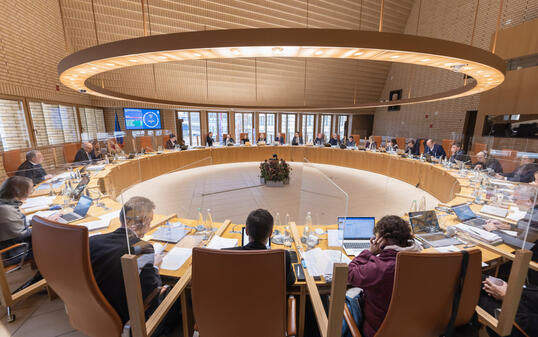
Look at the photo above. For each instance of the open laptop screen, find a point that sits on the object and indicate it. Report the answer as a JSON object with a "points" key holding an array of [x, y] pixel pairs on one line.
{"points": [[245, 240], [361, 228], [424, 222], [464, 212], [83, 206]]}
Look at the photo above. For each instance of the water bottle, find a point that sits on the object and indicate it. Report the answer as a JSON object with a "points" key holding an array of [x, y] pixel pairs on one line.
{"points": [[209, 220], [307, 227], [168, 229], [200, 218]]}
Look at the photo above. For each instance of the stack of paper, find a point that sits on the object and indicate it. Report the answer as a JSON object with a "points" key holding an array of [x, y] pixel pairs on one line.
{"points": [[103, 222], [176, 258], [31, 205], [320, 262], [43, 214], [516, 214], [479, 234], [219, 242]]}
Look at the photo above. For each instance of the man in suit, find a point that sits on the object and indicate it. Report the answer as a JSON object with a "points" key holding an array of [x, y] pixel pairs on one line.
{"points": [[458, 154], [350, 142], [410, 148], [85, 154], [259, 227], [229, 140], [172, 142], [524, 173], [262, 138], [31, 167], [297, 140], [334, 140], [106, 251], [320, 139], [434, 150], [280, 140], [209, 139], [483, 163]]}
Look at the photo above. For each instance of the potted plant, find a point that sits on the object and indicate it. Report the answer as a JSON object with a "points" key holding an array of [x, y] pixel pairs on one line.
{"points": [[275, 172]]}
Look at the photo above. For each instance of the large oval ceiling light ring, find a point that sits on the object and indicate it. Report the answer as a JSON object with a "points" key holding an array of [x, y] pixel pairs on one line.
{"points": [[487, 69]]}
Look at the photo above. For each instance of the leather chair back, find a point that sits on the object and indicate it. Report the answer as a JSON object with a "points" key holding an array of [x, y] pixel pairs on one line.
{"points": [[145, 142], [477, 147], [378, 140], [62, 255], [447, 146], [165, 140], [509, 162], [357, 139], [70, 151], [239, 293], [401, 143], [283, 137], [424, 287], [422, 145], [12, 161]]}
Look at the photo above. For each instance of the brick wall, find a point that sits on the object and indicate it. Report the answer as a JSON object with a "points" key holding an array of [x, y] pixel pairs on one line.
{"points": [[450, 20]]}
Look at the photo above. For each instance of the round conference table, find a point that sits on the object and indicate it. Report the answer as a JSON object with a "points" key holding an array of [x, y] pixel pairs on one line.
{"points": [[444, 184]]}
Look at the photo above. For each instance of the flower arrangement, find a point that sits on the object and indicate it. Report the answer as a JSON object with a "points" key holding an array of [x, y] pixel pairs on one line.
{"points": [[275, 170]]}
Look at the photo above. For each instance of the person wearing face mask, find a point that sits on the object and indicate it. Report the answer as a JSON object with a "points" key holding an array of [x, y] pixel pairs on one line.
{"points": [[106, 251]]}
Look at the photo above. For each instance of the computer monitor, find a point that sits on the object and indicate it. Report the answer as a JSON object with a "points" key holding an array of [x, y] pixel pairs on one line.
{"points": [[356, 228], [83, 206], [245, 240], [424, 222]]}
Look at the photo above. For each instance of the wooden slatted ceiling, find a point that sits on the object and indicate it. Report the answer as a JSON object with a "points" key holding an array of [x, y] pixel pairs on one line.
{"points": [[277, 81]]}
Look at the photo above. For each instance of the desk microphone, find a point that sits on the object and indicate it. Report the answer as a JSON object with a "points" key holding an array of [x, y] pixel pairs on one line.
{"points": [[450, 231]]}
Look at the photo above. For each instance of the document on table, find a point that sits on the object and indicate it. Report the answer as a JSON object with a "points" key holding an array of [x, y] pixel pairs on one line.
{"points": [[103, 222], [219, 242], [447, 249], [320, 262], [515, 214], [38, 203], [333, 236], [46, 186], [176, 258], [43, 214]]}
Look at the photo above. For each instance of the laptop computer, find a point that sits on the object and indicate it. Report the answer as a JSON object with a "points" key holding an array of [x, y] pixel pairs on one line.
{"points": [[80, 211], [170, 234], [426, 228], [466, 215], [77, 192], [356, 233], [245, 240]]}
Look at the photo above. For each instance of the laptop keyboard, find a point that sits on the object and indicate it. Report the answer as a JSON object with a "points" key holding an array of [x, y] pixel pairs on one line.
{"points": [[476, 222], [356, 245], [70, 217]]}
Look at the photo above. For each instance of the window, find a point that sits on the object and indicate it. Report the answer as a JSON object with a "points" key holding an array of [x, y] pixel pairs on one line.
{"points": [[288, 126], [308, 128], [243, 124], [342, 123], [267, 125], [218, 124], [54, 124], [13, 129], [511, 126], [326, 121], [190, 127], [93, 123]]}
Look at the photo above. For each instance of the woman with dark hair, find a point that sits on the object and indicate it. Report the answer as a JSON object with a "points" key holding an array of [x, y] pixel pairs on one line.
{"points": [[373, 270], [171, 142], [394, 144]]}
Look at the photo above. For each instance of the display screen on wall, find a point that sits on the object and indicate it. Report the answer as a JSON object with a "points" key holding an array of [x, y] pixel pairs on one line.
{"points": [[516, 126], [142, 119]]}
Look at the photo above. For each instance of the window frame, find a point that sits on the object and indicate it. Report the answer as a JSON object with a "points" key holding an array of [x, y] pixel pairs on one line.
{"points": [[218, 135]]}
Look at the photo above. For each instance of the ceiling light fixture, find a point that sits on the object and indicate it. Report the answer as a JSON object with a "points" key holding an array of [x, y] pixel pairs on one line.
{"points": [[299, 43]]}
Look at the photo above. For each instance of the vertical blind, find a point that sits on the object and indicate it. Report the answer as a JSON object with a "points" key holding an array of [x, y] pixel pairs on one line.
{"points": [[54, 123], [92, 121], [13, 129]]}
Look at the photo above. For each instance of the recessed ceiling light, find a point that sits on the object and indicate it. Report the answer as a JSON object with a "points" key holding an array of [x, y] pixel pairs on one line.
{"points": [[82, 71], [487, 75], [359, 53], [110, 64], [95, 68], [425, 60], [278, 50], [319, 52], [197, 54], [163, 57], [449, 64], [480, 72], [235, 51], [133, 60], [394, 56]]}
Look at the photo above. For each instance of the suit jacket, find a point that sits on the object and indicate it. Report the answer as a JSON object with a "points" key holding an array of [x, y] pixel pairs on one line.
{"points": [[280, 140], [209, 141], [352, 143], [106, 251], [491, 163], [170, 145], [333, 141], [83, 157], [524, 173], [36, 172], [436, 151], [290, 274], [459, 155], [296, 141], [262, 139], [319, 141]]}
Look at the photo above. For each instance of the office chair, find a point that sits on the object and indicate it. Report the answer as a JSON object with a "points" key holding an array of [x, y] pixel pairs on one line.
{"points": [[62, 254], [241, 293], [12, 161], [424, 288]]}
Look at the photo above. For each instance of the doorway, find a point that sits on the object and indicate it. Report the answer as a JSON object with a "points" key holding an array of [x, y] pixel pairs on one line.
{"points": [[468, 129]]}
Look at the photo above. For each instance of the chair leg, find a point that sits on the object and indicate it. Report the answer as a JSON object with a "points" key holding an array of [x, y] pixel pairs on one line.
{"points": [[10, 315]]}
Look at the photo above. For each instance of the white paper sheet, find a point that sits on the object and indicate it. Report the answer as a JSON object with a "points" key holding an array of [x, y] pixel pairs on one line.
{"points": [[515, 214], [37, 203], [332, 236], [447, 249], [511, 233], [320, 262], [43, 214], [176, 258], [219, 242]]}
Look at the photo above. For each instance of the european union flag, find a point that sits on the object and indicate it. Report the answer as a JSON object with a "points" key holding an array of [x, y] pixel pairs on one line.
{"points": [[117, 130]]}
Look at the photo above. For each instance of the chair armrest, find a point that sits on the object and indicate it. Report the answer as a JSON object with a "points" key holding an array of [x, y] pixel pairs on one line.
{"points": [[351, 322], [17, 245], [292, 326]]}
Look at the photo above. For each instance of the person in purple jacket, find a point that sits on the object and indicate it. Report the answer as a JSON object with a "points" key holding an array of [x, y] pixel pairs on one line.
{"points": [[373, 270]]}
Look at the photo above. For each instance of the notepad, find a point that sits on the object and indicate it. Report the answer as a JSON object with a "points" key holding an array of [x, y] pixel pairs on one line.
{"points": [[320, 262], [176, 258], [219, 242], [43, 201]]}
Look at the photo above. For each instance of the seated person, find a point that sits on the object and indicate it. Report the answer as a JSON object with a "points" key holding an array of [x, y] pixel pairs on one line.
{"points": [[106, 251], [280, 139], [350, 142], [229, 140], [113, 147], [433, 149], [262, 138], [31, 167], [373, 270], [371, 143], [96, 151], [524, 173], [457, 154], [171, 142], [320, 139], [334, 140], [209, 139], [297, 140], [410, 148], [259, 227], [85, 154], [535, 181], [245, 139], [483, 163], [392, 145]]}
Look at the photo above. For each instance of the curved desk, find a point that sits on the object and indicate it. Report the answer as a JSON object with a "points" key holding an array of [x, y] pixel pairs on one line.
{"points": [[433, 179]]}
